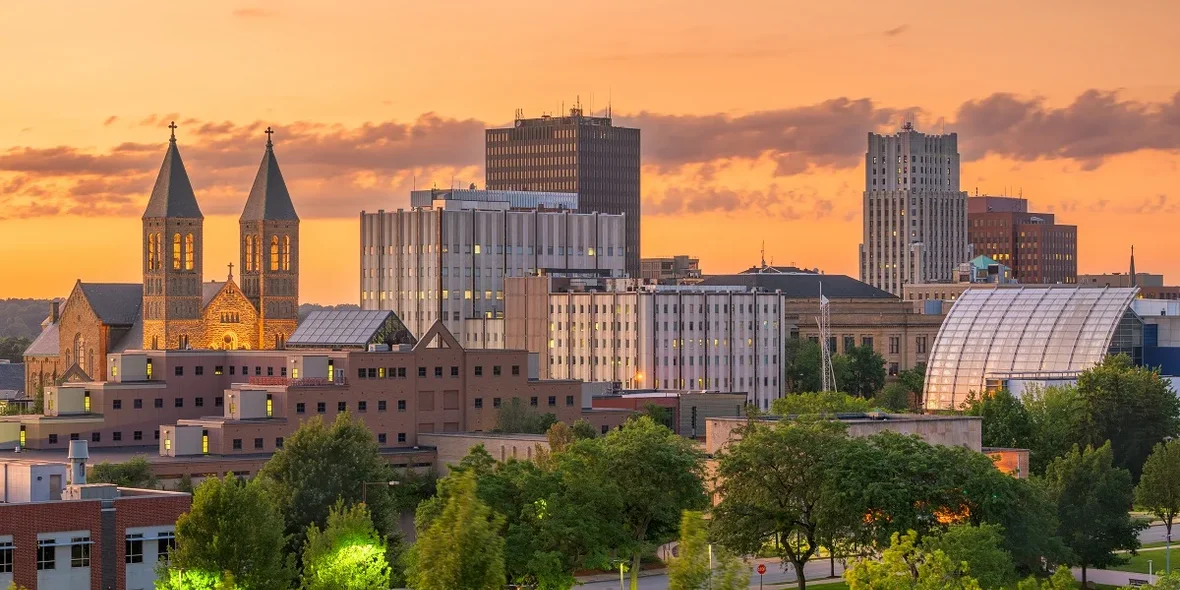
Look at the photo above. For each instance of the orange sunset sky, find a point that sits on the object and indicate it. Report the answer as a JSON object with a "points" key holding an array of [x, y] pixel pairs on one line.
{"points": [[753, 113]]}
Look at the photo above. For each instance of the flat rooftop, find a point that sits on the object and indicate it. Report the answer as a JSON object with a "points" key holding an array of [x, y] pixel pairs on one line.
{"points": [[859, 418]]}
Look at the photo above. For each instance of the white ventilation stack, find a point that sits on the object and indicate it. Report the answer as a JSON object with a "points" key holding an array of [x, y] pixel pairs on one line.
{"points": [[78, 455]]}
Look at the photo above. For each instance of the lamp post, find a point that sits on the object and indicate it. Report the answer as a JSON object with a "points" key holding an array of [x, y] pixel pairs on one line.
{"points": [[365, 488]]}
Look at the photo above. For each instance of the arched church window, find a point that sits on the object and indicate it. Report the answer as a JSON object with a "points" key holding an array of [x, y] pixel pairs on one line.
{"points": [[188, 252], [153, 248], [79, 351], [176, 251], [257, 254], [249, 253], [159, 251], [286, 252], [274, 252]]}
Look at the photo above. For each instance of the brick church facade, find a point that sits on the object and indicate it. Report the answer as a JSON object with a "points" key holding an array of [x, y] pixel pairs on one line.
{"points": [[174, 308]]}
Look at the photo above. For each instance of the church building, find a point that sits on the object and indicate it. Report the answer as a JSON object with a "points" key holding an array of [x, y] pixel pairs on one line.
{"points": [[174, 307]]}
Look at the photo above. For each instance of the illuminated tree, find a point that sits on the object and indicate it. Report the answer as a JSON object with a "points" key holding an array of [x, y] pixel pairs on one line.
{"points": [[348, 554], [906, 566], [461, 547]]}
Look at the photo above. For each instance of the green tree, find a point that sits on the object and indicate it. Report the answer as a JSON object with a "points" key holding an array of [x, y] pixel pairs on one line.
{"points": [[659, 414], [136, 472], [906, 566], [12, 348], [1092, 497], [658, 475], [775, 484], [461, 549], [1055, 415], [894, 397], [1132, 407], [865, 372], [232, 527], [321, 464], [517, 418], [1166, 582], [583, 429], [1159, 486], [690, 569], [1062, 579], [822, 403], [913, 379], [801, 362], [1005, 420], [981, 547], [347, 555]]}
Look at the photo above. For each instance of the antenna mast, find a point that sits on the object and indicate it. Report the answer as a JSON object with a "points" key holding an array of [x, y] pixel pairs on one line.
{"points": [[824, 321], [763, 267]]}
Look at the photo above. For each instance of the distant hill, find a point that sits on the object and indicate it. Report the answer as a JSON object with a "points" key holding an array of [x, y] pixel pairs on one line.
{"points": [[22, 317], [306, 308]]}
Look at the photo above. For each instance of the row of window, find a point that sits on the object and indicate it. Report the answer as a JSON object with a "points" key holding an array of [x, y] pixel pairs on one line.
{"points": [[97, 436], [361, 406], [237, 443], [400, 372], [533, 401], [199, 370], [137, 403]]}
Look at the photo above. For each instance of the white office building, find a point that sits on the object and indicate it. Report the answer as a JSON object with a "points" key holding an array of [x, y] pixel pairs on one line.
{"points": [[915, 216], [449, 261]]}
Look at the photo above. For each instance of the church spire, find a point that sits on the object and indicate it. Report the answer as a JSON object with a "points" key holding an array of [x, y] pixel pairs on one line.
{"points": [[269, 199], [1134, 279], [172, 195]]}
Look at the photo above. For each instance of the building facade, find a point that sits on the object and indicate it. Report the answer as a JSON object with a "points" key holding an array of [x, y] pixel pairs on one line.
{"points": [[671, 270], [450, 264], [1033, 245], [915, 216], [577, 153]]}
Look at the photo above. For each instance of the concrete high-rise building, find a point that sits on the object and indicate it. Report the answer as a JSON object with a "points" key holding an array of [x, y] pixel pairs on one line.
{"points": [[1033, 245], [448, 261], [577, 153], [671, 270], [915, 216]]}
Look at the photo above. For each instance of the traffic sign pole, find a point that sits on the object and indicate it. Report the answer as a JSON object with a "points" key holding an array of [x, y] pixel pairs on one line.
{"points": [[761, 572]]}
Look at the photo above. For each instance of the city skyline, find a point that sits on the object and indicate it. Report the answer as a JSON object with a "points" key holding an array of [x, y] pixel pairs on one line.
{"points": [[362, 116]]}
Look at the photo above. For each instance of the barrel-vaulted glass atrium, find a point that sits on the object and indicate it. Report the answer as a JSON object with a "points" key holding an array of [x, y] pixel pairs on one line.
{"points": [[991, 335]]}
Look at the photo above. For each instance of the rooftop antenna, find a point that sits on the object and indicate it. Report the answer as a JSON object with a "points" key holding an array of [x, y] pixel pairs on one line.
{"points": [[824, 321], [609, 102], [763, 255]]}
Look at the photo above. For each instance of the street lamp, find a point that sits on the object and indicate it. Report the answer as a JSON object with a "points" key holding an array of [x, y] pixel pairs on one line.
{"points": [[365, 488]]}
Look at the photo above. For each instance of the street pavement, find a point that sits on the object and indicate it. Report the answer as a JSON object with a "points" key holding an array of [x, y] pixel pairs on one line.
{"points": [[775, 574]]}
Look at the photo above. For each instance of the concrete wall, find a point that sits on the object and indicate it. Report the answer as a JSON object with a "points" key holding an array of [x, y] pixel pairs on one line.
{"points": [[451, 448], [965, 431]]}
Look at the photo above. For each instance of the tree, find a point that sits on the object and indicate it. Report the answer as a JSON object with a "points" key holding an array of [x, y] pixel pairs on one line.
{"points": [[906, 566], [660, 415], [690, 569], [461, 548], [822, 403], [347, 555], [12, 348], [1159, 486], [1005, 420], [232, 527], [865, 372], [801, 362], [979, 546], [1092, 497], [895, 398], [1062, 579], [1021, 509], [657, 476], [321, 464], [1166, 582], [583, 429], [517, 418], [1055, 415], [775, 486], [914, 379], [134, 473], [1132, 407]]}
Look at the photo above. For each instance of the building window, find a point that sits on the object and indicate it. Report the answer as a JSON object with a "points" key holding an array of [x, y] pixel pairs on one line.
{"points": [[341, 406], [117, 404], [137, 435], [401, 437], [274, 252], [279, 442], [552, 401], [478, 403], [137, 404], [893, 369], [569, 400], [176, 252], [165, 543], [320, 407], [299, 408], [133, 549], [381, 405], [117, 436], [7, 549], [95, 437], [496, 370], [156, 435], [381, 438], [46, 554], [199, 402], [179, 370], [53, 439], [258, 443], [362, 406], [495, 402], [921, 343], [894, 344], [80, 552], [515, 369], [401, 405], [478, 370], [533, 401], [179, 402], [218, 401], [605, 428], [159, 403], [438, 371], [217, 370], [454, 371], [237, 444], [421, 371], [199, 370]]}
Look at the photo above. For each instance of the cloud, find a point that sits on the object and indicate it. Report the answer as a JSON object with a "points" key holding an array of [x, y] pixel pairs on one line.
{"points": [[895, 31], [784, 204], [258, 13], [110, 121]]}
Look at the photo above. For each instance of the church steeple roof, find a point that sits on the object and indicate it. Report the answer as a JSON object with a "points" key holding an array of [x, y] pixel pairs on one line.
{"points": [[172, 196], [269, 199]]}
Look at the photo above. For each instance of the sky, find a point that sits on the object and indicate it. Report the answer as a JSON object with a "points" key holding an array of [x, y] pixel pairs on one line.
{"points": [[754, 118]]}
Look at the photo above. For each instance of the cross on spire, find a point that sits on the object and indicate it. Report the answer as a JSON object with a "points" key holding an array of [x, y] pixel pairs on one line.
{"points": [[269, 132], [231, 271], [172, 126]]}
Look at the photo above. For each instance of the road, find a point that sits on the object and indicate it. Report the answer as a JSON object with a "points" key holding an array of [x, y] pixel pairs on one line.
{"points": [[1156, 534], [774, 575]]}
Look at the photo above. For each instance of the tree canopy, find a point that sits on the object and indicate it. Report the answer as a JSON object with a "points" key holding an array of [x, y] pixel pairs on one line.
{"points": [[865, 372], [1159, 486], [347, 555], [905, 565], [690, 570], [979, 546], [517, 418], [824, 403], [461, 546], [136, 472]]}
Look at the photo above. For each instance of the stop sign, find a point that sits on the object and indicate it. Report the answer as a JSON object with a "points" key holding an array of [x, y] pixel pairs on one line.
{"points": [[761, 569]]}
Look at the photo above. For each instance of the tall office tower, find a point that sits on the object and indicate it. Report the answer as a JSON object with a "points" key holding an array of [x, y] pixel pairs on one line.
{"points": [[577, 153], [1033, 245], [915, 216]]}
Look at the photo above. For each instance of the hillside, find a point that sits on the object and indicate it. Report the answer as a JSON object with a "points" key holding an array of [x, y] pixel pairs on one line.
{"points": [[306, 308], [22, 317]]}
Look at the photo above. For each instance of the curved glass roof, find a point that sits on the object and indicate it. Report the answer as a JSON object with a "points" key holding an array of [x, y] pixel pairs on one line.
{"points": [[996, 332]]}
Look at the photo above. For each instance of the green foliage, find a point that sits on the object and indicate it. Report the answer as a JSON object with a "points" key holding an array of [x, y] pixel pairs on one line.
{"points": [[583, 429], [895, 398], [865, 372], [776, 487], [185, 484], [1167, 582], [1005, 420], [348, 555], [906, 566], [305, 309], [21, 318], [913, 379], [517, 418], [1132, 407], [1159, 486], [134, 473], [822, 403], [321, 464], [1055, 415], [1062, 579], [460, 548], [174, 579], [690, 570], [12, 348], [659, 415], [801, 362], [232, 527], [1092, 497], [979, 546], [15, 586]]}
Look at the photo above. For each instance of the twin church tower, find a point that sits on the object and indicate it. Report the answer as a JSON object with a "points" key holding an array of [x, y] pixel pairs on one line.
{"points": [[179, 309]]}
